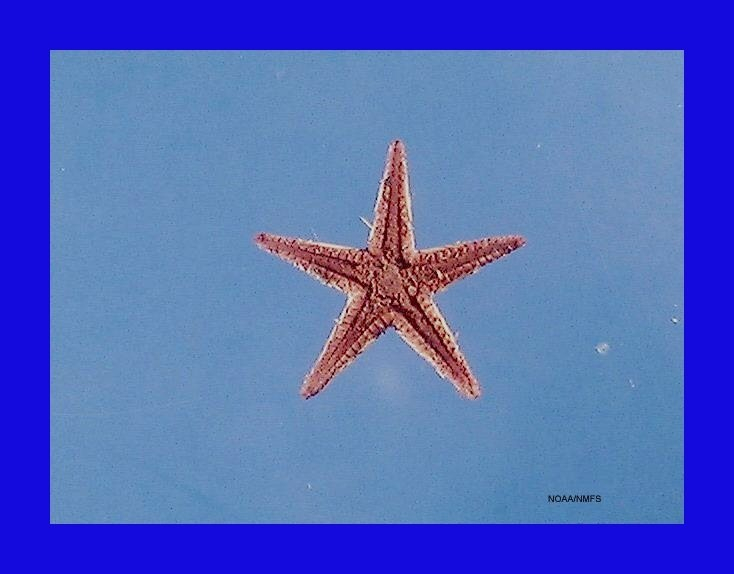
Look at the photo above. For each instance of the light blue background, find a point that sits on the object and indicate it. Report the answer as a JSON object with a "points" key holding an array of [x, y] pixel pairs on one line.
{"points": [[178, 348]]}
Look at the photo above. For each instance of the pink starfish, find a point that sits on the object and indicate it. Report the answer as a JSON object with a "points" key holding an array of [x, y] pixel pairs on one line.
{"points": [[391, 283]]}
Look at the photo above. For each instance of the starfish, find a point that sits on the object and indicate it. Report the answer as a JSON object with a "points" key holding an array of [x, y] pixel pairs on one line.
{"points": [[391, 284]]}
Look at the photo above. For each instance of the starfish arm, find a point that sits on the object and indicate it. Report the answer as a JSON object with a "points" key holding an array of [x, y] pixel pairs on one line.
{"points": [[420, 323], [357, 326], [440, 267], [392, 229], [334, 265]]}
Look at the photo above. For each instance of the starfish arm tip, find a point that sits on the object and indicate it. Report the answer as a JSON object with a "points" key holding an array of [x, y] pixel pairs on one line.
{"points": [[397, 149], [307, 392], [472, 392]]}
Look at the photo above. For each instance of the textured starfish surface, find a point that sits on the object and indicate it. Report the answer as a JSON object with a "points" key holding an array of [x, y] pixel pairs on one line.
{"points": [[391, 284]]}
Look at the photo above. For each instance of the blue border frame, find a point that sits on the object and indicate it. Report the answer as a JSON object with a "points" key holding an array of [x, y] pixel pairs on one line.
{"points": [[395, 26]]}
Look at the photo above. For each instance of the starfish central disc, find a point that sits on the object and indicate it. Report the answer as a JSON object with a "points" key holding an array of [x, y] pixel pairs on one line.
{"points": [[389, 282]]}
